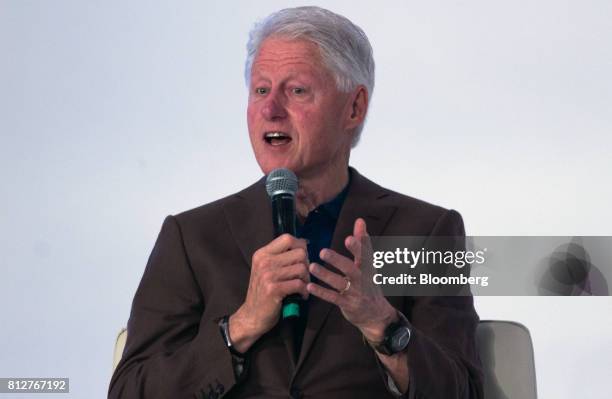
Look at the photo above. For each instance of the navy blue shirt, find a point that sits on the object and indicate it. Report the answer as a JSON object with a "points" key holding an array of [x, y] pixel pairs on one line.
{"points": [[319, 226]]}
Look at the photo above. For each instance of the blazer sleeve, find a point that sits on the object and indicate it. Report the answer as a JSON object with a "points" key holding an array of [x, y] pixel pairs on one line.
{"points": [[170, 351], [442, 354]]}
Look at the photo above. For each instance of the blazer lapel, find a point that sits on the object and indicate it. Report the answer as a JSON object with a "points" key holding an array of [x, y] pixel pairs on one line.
{"points": [[249, 215], [365, 199]]}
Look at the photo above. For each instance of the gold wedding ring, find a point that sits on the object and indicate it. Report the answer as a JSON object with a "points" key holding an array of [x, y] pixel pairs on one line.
{"points": [[346, 288]]}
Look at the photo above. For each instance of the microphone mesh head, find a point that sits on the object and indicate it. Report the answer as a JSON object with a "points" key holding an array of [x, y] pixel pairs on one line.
{"points": [[281, 181]]}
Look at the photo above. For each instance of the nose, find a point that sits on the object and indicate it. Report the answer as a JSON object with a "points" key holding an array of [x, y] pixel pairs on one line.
{"points": [[273, 109]]}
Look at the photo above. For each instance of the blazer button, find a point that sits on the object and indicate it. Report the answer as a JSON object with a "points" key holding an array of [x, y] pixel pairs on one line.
{"points": [[295, 393]]}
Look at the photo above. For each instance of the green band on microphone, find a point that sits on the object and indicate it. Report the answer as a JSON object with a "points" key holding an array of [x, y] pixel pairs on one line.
{"points": [[291, 310]]}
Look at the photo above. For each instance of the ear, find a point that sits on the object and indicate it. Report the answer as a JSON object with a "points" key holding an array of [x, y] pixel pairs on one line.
{"points": [[358, 107]]}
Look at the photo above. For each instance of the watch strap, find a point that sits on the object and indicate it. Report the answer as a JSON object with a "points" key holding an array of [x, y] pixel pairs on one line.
{"points": [[224, 328]]}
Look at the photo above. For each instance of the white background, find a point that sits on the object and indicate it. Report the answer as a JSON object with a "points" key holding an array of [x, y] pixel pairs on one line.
{"points": [[114, 114]]}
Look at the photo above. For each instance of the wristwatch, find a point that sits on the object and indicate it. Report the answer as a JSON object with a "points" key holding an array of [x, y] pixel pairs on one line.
{"points": [[224, 327], [396, 338], [239, 360]]}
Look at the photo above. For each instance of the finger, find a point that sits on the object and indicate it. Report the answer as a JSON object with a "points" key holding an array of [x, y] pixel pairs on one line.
{"points": [[295, 271], [360, 229], [363, 235], [359, 244], [342, 263], [354, 246], [267, 262], [295, 286], [283, 243], [332, 279], [296, 255], [326, 294]]}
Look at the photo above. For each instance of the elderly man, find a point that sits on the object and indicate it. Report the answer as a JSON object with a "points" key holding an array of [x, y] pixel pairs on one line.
{"points": [[205, 320]]}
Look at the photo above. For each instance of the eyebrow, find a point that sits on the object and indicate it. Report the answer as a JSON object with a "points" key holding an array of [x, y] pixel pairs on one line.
{"points": [[293, 75]]}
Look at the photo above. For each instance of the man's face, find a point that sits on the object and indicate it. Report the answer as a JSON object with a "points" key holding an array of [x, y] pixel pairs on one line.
{"points": [[296, 116]]}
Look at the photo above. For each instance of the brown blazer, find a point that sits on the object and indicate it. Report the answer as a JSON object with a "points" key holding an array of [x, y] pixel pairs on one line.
{"points": [[199, 270]]}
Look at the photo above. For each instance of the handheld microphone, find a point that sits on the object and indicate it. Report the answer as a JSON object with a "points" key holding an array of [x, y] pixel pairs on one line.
{"points": [[281, 185]]}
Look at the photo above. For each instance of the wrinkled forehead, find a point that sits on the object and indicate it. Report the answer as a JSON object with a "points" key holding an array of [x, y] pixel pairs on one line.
{"points": [[280, 53]]}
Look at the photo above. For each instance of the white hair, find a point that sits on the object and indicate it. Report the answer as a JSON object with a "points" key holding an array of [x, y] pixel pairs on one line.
{"points": [[345, 48]]}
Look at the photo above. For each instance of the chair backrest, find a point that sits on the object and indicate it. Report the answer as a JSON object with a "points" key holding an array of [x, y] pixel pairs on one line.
{"points": [[505, 349], [506, 352], [119, 345]]}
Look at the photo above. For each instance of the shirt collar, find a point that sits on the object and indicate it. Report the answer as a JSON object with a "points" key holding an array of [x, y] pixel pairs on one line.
{"points": [[332, 208]]}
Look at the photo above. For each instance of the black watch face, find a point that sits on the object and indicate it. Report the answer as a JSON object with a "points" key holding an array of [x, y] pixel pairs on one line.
{"points": [[400, 339]]}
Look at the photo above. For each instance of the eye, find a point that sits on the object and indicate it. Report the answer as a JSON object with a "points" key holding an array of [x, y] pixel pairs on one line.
{"points": [[298, 90], [261, 90]]}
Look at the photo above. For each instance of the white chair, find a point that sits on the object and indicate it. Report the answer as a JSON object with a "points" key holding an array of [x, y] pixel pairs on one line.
{"points": [[506, 353], [119, 345]]}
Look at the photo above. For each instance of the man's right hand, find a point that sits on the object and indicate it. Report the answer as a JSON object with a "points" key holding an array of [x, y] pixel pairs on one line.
{"points": [[278, 269]]}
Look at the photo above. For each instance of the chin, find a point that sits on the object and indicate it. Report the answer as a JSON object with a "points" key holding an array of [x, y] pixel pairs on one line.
{"points": [[269, 165]]}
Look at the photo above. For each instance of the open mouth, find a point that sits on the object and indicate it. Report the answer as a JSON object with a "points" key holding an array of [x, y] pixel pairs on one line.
{"points": [[277, 138]]}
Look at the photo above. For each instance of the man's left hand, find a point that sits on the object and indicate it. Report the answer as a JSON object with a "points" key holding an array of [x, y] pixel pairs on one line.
{"points": [[361, 301]]}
